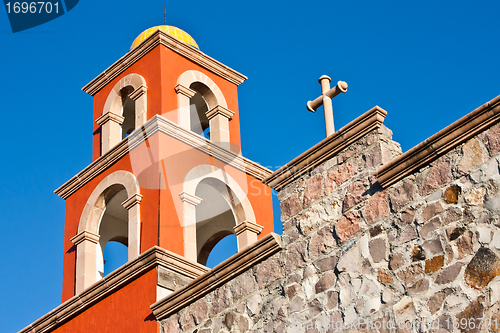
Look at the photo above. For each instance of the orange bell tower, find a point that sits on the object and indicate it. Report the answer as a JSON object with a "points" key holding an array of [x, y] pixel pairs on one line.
{"points": [[167, 179]]}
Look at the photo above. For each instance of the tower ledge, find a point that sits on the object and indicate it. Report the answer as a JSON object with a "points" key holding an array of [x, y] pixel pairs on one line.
{"points": [[165, 126]]}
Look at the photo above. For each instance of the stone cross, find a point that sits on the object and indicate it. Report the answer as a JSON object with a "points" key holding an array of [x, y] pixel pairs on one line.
{"points": [[326, 100]]}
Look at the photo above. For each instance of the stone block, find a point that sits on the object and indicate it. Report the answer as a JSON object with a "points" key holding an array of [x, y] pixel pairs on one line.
{"points": [[430, 226], [376, 207], [451, 194], [484, 235], [406, 235], [348, 225], [338, 176], [434, 246], [430, 211], [464, 245], [436, 301], [325, 282], [350, 261], [434, 264], [364, 244], [355, 194], [472, 155], [409, 274], [384, 276], [401, 195], [377, 249], [321, 241], [449, 274], [408, 215], [396, 261], [492, 140], [476, 196], [455, 232], [453, 214], [419, 287], [472, 313], [295, 257], [290, 207], [293, 290], [405, 310], [376, 230], [438, 175], [313, 189], [482, 269], [327, 264], [333, 299]]}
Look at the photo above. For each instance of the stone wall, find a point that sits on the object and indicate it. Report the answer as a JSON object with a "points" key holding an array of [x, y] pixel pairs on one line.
{"points": [[424, 251]]}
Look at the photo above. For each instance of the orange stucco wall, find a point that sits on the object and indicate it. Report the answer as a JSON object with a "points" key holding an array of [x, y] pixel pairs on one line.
{"points": [[126, 310]]}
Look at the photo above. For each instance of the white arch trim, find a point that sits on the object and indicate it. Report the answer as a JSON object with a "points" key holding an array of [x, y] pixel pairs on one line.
{"points": [[112, 119], [240, 205], [88, 252], [187, 78], [134, 80]]}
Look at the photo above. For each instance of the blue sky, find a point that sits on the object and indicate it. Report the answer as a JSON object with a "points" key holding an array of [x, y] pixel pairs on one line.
{"points": [[427, 63]]}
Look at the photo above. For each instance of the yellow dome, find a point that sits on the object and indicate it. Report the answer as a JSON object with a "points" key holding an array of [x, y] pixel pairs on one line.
{"points": [[172, 31]]}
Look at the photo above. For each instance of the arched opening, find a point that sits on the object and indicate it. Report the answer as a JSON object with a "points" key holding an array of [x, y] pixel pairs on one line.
{"points": [[198, 115], [214, 217], [113, 227], [225, 248], [128, 111], [115, 255]]}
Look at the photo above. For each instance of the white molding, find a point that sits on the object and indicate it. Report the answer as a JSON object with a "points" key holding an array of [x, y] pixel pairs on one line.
{"points": [[85, 235], [183, 90], [132, 201], [134, 95], [160, 124], [247, 225], [109, 116], [161, 38], [219, 110], [189, 198]]}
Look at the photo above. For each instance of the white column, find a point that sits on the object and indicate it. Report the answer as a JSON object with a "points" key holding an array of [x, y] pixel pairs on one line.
{"points": [[184, 95], [111, 130], [189, 203], [140, 97], [219, 125], [246, 233], [133, 205], [86, 259]]}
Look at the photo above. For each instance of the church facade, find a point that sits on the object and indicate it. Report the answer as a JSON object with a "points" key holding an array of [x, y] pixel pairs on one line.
{"points": [[373, 239]]}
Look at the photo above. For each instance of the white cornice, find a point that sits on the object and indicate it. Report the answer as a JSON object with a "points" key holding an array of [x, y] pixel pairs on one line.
{"points": [[132, 201], [148, 260], [247, 225], [219, 110], [85, 235], [189, 198], [220, 274], [157, 38], [159, 124]]}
